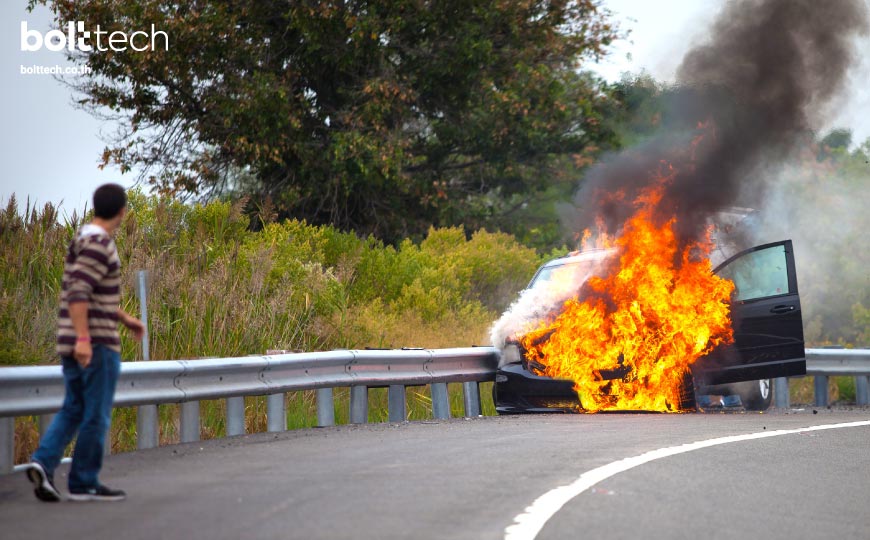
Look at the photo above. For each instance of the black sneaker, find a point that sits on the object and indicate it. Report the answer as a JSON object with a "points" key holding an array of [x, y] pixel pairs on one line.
{"points": [[99, 493], [43, 484]]}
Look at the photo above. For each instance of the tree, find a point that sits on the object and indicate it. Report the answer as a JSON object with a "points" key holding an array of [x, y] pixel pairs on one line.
{"points": [[837, 139], [639, 106], [384, 117]]}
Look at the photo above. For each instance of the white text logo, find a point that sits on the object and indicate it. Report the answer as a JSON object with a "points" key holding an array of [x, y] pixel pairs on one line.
{"points": [[77, 38]]}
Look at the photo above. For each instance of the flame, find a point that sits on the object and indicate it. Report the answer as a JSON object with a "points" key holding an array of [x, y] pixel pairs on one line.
{"points": [[628, 339]]}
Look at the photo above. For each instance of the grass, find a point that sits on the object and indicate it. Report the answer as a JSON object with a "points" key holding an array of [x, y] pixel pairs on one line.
{"points": [[217, 289], [840, 390]]}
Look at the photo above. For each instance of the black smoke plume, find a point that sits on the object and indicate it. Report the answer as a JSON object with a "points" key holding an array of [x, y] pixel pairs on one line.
{"points": [[757, 84]]}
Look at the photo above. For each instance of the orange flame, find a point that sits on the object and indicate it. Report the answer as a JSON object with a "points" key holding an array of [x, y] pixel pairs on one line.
{"points": [[628, 342]]}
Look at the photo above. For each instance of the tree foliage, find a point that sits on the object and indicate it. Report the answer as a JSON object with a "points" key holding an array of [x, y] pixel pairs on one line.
{"points": [[384, 117]]}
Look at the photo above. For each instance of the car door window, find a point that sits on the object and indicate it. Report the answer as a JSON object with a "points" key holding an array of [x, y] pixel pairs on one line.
{"points": [[758, 274]]}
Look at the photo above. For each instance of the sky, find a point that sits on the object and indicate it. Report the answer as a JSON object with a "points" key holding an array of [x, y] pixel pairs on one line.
{"points": [[50, 149]]}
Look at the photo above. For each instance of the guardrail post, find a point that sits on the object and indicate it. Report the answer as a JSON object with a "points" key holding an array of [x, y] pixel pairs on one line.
{"points": [[325, 408], [396, 403], [780, 392], [440, 401], [276, 413], [107, 443], [471, 393], [7, 445], [820, 387], [861, 390], [45, 420], [359, 404], [146, 415], [146, 427], [190, 421], [235, 416], [142, 291]]}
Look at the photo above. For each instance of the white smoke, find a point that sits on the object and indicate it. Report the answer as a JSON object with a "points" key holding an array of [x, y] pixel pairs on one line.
{"points": [[824, 208], [551, 289]]}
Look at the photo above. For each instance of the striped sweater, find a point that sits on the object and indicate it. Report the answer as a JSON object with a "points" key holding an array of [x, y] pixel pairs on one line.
{"points": [[92, 274]]}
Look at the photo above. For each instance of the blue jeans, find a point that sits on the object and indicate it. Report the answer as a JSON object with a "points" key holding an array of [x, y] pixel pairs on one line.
{"points": [[87, 409]]}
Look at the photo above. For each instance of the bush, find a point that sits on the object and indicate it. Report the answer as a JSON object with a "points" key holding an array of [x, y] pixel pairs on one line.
{"points": [[215, 288]]}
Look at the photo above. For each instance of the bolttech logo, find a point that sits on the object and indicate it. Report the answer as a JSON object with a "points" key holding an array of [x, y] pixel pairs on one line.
{"points": [[77, 38]]}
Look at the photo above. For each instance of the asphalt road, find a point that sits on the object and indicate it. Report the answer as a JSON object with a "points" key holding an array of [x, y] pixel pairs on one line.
{"points": [[470, 479]]}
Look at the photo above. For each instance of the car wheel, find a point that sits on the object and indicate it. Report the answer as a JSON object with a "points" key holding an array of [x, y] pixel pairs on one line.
{"points": [[755, 395]]}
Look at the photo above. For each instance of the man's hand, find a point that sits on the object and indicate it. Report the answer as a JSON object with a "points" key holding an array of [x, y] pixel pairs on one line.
{"points": [[133, 324], [83, 353]]}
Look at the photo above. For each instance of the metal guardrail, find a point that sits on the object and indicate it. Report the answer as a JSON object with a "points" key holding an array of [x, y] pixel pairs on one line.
{"points": [[832, 362], [825, 363], [38, 390]]}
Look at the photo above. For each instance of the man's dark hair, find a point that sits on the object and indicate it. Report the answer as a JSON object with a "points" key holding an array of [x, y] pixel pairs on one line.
{"points": [[109, 200]]}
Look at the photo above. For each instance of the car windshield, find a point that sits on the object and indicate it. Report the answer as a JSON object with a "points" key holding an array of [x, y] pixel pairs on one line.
{"points": [[571, 272]]}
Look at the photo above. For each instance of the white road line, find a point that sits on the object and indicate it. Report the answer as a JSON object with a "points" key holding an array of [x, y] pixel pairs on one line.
{"points": [[527, 525]]}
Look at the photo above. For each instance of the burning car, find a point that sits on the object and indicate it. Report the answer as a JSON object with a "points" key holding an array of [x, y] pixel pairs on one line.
{"points": [[760, 337]]}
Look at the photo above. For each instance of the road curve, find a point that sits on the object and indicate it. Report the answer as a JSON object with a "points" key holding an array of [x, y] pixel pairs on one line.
{"points": [[471, 478]]}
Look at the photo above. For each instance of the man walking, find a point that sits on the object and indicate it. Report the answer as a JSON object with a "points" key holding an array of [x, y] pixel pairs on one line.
{"points": [[90, 350]]}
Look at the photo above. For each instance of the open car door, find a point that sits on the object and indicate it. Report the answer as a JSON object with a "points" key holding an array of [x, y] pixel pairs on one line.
{"points": [[766, 317]]}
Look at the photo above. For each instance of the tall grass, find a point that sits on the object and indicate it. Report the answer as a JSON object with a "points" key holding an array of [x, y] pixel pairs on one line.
{"points": [[217, 289]]}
